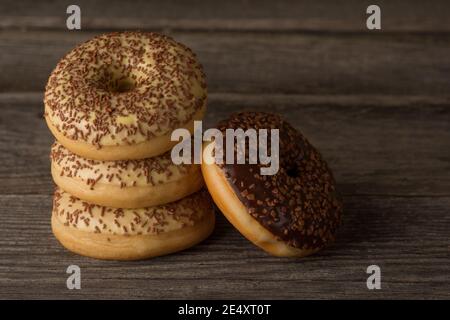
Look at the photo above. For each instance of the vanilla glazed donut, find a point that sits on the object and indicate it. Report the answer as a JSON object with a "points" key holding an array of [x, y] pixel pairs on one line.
{"points": [[292, 213], [124, 183], [131, 234], [120, 95]]}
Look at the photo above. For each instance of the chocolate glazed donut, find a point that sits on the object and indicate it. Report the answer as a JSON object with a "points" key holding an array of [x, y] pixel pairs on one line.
{"points": [[294, 212]]}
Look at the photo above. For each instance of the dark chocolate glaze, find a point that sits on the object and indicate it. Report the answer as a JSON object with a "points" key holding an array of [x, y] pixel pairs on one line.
{"points": [[299, 204]]}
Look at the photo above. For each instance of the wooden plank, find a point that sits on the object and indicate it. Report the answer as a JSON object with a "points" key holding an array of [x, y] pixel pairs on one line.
{"points": [[375, 145], [286, 15], [269, 63], [406, 236]]}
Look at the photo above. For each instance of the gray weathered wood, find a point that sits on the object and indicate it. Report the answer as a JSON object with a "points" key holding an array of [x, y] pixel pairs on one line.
{"points": [[391, 145], [407, 237], [254, 15], [376, 105], [276, 63], [395, 185]]}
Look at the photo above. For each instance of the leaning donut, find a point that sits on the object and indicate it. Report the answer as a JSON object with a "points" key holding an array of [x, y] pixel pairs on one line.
{"points": [[124, 184], [294, 212], [131, 234], [120, 95]]}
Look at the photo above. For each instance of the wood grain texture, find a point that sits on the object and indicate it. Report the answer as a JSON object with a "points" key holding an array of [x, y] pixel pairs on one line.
{"points": [[375, 145], [376, 105], [395, 184], [240, 15], [269, 63], [407, 237]]}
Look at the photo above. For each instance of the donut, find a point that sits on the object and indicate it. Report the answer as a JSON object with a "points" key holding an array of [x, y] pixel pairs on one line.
{"points": [[120, 95], [124, 184], [130, 234], [293, 213]]}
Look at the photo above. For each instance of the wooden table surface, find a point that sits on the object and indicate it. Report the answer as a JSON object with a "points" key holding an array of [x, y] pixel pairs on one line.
{"points": [[375, 103]]}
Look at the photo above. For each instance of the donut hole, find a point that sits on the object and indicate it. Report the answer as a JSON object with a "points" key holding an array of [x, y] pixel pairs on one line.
{"points": [[121, 85], [113, 79], [293, 172]]}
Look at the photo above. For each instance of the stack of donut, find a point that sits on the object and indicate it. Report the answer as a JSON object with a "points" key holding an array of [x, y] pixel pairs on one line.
{"points": [[112, 103]]}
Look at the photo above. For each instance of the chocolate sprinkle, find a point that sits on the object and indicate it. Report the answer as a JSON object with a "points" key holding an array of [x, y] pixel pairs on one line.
{"points": [[124, 88], [299, 204], [125, 173], [94, 218]]}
